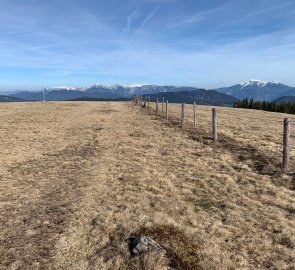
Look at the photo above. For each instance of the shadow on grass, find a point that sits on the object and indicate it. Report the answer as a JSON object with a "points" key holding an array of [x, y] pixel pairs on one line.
{"points": [[182, 252], [261, 162]]}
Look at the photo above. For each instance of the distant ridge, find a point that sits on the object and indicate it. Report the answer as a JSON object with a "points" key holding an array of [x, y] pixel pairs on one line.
{"points": [[200, 96], [286, 99], [4, 98], [112, 92], [97, 99], [258, 90]]}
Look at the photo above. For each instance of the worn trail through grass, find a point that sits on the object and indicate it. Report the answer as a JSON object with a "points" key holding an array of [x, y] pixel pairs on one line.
{"points": [[89, 175]]}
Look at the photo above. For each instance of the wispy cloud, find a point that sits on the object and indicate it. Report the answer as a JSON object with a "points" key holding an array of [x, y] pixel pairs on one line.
{"points": [[195, 18], [274, 10], [133, 16], [148, 17]]}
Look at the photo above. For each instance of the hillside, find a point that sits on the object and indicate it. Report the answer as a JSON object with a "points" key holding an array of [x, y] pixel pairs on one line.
{"points": [[286, 99], [86, 176], [258, 90], [54, 95], [4, 98], [98, 99], [200, 96]]}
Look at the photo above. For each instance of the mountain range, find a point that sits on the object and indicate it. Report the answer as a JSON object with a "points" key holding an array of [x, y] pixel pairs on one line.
{"points": [[4, 98], [285, 99], [97, 92], [256, 89], [200, 96]]}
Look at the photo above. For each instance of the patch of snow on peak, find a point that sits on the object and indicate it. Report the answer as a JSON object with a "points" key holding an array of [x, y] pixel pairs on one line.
{"points": [[132, 85], [275, 82], [259, 83], [64, 88]]}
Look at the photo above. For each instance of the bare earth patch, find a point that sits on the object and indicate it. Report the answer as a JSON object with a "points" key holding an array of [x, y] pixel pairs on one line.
{"points": [[78, 179]]}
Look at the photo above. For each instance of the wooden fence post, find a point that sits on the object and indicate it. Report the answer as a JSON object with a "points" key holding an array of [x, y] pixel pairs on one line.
{"points": [[214, 124], [163, 100], [157, 107], [286, 145], [167, 109], [194, 111], [182, 116]]}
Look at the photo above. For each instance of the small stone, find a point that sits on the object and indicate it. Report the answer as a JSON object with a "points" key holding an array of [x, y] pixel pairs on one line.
{"points": [[143, 244]]}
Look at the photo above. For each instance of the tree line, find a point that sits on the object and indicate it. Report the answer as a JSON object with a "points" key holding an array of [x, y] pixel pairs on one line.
{"points": [[287, 107]]}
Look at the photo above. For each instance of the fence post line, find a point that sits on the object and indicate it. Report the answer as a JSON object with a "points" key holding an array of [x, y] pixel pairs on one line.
{"points": [[167, 109], [286, 144], [163, 100], [182, 116], [214, 124], [194, 111], [157, 107]]}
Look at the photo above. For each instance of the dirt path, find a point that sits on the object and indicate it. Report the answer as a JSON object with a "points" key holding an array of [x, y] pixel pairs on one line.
{"points": [[113, 172], [39, 194]]}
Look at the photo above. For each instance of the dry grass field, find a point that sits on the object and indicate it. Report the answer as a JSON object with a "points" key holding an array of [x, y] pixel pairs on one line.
{"points": [[78, 179]]}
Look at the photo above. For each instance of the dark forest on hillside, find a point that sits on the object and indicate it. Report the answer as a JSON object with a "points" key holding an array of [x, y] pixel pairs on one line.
{"points": [[286, 107]]}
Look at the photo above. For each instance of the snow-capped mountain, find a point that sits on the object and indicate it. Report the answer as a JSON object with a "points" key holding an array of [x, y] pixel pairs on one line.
{"points": [[258, 90], [99, 91], [69, 88], [258, 83]]}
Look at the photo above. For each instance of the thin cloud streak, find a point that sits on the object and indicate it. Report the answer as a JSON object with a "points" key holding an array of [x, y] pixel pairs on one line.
{"points": [[133, 16], [195, 18], [148, 18]]}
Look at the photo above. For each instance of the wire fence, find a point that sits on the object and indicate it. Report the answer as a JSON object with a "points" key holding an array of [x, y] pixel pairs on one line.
{"points": [[266, 132]]}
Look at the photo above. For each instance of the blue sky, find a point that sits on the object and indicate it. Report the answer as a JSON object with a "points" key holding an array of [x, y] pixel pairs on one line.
{"points": [[208, 44]]}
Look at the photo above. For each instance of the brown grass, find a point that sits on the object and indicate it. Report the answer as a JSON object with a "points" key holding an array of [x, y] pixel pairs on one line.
{"points": [[78, 179]]}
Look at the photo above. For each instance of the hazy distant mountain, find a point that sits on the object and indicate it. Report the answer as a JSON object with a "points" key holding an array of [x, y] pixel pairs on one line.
{"points": [[130, 90], [258, 90], [286, 99], [8, 93], [98, 92], [200, 96], [98, 99], [4, 98]]}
